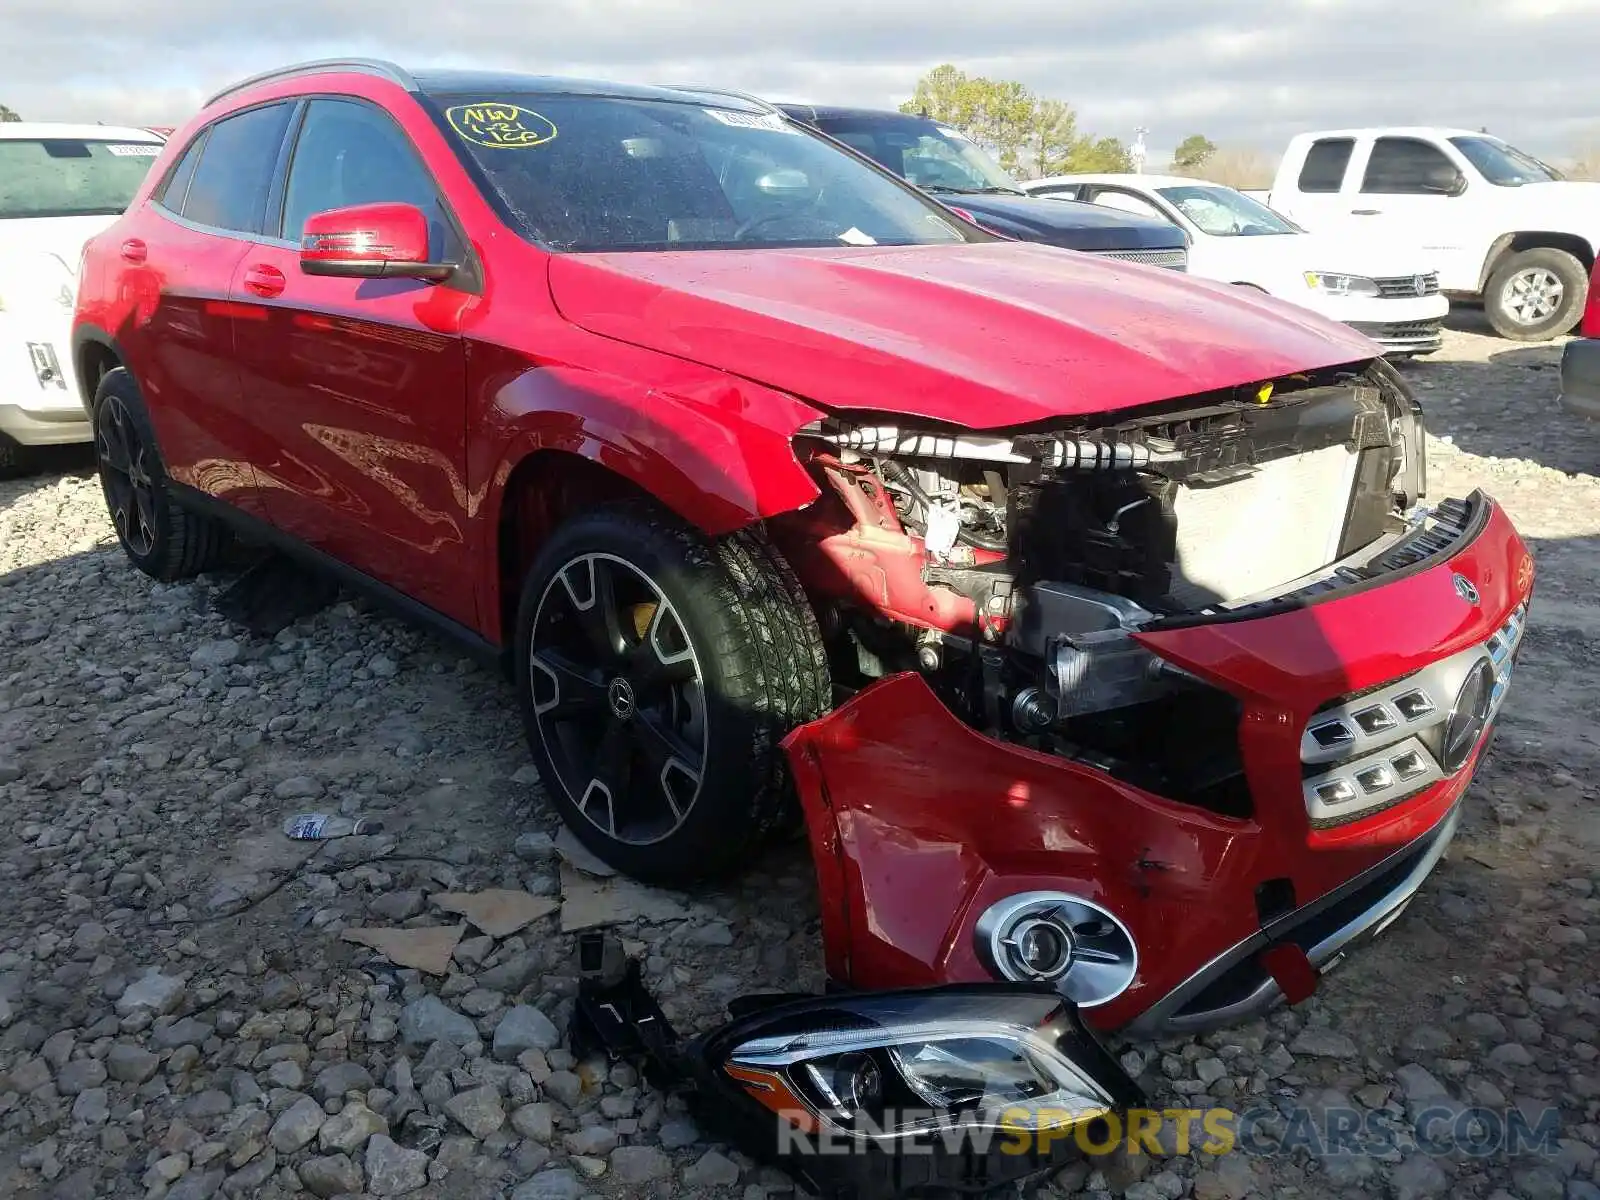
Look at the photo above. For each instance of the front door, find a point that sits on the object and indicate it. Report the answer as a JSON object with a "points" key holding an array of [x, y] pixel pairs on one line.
{"points": [[362, 382]]}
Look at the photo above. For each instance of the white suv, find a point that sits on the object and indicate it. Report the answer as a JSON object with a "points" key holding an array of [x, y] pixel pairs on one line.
{"points": [[59, 186]]}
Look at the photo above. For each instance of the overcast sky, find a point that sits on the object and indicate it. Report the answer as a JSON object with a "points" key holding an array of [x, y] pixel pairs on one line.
{"points": [[1244, 72]]}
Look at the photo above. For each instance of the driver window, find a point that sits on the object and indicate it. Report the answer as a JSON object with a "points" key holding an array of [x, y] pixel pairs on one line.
{"points": [[1409, 167], [1129, 203], [350, 153]]}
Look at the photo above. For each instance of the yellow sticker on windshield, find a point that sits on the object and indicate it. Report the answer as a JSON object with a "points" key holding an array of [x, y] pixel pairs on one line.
{"points": [[500, 126]]}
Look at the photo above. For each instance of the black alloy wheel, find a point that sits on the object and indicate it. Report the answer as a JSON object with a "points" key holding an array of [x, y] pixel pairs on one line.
{"points": [[125, 476], [619, 698]]}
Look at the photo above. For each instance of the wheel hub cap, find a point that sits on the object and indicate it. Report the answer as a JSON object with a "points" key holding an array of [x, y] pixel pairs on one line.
{"points": [[620, 695], [1533, 296]]}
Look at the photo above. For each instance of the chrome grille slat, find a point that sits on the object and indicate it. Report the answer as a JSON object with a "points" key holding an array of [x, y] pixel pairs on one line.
{"points": [[1398, 286]]}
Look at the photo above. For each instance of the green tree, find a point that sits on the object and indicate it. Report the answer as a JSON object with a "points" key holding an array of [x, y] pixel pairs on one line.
{"points": [[8, 114], [1096, 156], [1193, 153], [997, 114], [1051, 136]]}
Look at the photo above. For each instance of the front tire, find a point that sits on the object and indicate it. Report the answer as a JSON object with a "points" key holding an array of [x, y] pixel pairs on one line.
{"points": [[657, 673], [1536, 294], [161, 538]]}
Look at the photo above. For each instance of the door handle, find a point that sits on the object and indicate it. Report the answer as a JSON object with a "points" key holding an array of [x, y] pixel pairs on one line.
{"points": [[262, 280], [1366, 212], [134, 251]]}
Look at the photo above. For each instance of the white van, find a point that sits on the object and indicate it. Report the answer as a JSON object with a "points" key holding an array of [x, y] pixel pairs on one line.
{"points": [[59, 186]]}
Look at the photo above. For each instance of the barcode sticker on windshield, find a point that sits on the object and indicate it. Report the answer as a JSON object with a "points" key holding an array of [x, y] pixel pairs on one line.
{"points": [[771, 122], [134, 149]]}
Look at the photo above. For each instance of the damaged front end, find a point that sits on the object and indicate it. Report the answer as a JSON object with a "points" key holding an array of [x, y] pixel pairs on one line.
{"points": [[964, 1088], [1165, 708]]}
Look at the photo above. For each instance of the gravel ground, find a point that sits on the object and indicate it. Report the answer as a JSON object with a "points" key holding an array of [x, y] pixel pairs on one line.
{"points": [[179, 1017]]}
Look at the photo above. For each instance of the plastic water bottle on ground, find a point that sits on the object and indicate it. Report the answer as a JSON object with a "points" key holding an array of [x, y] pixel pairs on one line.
{"points": [[316, 827]]}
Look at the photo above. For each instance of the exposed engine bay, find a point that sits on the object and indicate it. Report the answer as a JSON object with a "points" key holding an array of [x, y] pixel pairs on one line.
{"points": [[1012, 569]]}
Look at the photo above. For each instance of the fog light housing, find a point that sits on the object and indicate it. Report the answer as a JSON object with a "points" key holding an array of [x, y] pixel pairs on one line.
{"points": [[1469, 716], [1057, 938]]}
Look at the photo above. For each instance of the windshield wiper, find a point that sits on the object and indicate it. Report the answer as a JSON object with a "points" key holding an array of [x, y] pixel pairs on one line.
{"points": [[944, 189], [996, 190]]}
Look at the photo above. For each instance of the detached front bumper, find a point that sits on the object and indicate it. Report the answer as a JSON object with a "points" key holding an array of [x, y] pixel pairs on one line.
{"points": [[921, 825]]}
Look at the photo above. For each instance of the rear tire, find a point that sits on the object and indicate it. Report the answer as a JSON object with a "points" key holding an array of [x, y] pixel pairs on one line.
{"points": [[159, 536], [657, 673], [1536, 294]]}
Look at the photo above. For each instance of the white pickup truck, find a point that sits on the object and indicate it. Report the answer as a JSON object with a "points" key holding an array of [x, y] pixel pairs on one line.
{"points": [[1500, 225]]}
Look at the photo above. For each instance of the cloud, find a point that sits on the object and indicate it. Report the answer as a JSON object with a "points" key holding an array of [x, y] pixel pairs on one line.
{"points": [[1245, 72]]}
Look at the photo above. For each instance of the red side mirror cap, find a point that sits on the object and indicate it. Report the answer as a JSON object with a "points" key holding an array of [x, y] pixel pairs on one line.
{"points": [[370, 241]]}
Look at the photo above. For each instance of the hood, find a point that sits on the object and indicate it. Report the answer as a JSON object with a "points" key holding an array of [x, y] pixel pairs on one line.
{"points": [[1067, 222], [62, 237], [985, 336]]}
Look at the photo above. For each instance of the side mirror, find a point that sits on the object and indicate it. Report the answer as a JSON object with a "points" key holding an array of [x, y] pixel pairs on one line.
{"points": [[370, 241], [1445, 181]]}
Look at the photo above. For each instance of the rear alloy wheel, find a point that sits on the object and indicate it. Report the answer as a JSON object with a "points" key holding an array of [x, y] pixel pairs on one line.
{"points": [[125, 477], [1536, 294], [162, 539], [658, 673]]}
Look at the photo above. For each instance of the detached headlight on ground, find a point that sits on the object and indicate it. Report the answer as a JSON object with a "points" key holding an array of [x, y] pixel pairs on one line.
{"points": [[943, 1075], [1336, 284]]}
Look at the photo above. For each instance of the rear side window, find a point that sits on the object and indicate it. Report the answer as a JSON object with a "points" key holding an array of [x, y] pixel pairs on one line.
{"points": [[1407, 166], [351, 153], [177, 185], [229, 188], [1325, 165]]}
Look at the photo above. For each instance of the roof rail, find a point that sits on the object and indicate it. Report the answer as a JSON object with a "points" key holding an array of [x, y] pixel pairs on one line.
{"points": [[703, 90], [356, 66]]}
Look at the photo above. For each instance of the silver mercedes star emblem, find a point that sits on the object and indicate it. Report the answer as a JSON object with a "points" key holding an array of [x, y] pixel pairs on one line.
{"points": [[1465, 588]]}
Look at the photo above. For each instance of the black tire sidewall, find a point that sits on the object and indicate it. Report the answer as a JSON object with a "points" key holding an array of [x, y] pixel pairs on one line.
{"points": [[119, 384], [1575, 287], [726, 817]]}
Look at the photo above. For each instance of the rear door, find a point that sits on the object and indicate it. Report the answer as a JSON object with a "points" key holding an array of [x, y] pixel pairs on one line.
{"points": [[360, 383], [179, 255], [1321, 196]]}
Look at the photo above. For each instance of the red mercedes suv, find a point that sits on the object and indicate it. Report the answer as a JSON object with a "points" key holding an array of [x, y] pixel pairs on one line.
{"points": [[1091, 612]]}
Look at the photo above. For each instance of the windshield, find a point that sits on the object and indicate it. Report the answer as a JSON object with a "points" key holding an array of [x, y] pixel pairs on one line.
{"points": [[70, 177], [932, 156], [1503, 165], [1223, 212], [601, 173]]}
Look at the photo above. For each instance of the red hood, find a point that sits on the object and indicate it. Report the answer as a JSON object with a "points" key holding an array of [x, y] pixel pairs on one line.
{"points": [[984, 336]]}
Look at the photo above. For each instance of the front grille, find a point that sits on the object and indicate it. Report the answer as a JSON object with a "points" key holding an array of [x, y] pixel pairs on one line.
{"points": [[1174, 260], [1403, 286], [1367, 753]]}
